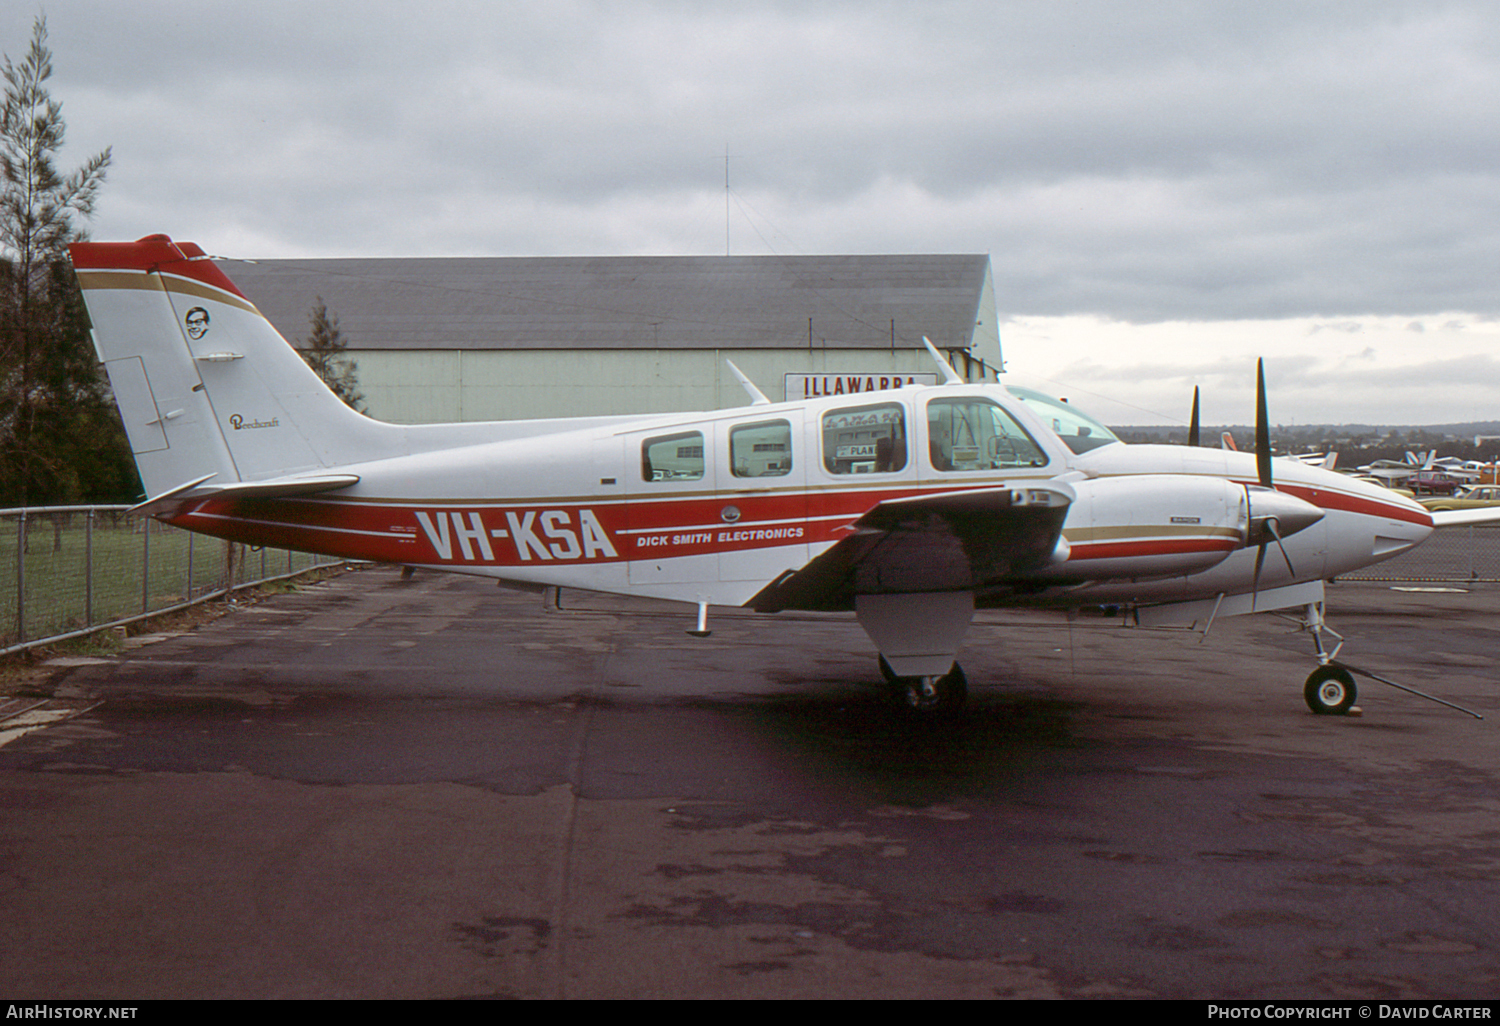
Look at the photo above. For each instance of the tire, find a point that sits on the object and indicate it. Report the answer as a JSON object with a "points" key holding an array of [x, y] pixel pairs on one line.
{"points": [[952, 691], [1330, 691]]}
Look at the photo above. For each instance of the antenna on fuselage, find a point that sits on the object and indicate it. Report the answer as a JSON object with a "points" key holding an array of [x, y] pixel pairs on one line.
{"points": [[950, 376], [757, 397]]}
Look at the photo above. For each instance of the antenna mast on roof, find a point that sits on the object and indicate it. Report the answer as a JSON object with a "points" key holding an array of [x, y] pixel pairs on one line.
{"points": [[726, 199]]}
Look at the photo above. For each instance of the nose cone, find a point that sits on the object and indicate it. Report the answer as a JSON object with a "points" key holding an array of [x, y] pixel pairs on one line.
{"points": [[1290, 513]]}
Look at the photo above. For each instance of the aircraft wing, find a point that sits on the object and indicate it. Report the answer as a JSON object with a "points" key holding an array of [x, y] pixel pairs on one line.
{"points": [[1464, 517], [951, 541]]}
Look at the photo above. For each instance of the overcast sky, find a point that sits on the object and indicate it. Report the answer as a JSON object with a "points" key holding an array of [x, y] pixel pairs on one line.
{"points": [[1166, 190]]}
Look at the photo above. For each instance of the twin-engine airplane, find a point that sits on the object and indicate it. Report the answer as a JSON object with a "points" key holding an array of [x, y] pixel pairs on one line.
{"points": [[910, 507]]}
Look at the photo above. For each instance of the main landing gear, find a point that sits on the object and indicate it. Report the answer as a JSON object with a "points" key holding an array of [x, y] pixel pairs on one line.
{"points": [[930, 694], [920, 632]]}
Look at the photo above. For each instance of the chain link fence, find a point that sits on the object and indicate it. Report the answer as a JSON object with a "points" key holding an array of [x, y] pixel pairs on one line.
{"points": [[1452, 554], [69, 570]]}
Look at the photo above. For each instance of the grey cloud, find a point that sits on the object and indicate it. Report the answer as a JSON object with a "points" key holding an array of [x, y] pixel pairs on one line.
{"points": [[1143, 162]]}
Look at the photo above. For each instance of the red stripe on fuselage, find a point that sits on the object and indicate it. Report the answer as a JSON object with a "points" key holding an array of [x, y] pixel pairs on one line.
{"points": [[534, 531], [1149, 547], [1343, 502], [538, 531]]}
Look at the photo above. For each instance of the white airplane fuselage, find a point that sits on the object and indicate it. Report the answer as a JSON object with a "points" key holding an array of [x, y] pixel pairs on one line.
{"points": [[911, 506], [571, 507]]}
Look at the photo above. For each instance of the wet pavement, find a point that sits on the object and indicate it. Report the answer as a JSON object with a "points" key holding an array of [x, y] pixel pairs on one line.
{"points": [[373, 787]]}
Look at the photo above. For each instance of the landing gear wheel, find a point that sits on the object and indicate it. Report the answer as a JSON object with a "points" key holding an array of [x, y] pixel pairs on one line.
{"points": [[929, 695], [1330, 691]]}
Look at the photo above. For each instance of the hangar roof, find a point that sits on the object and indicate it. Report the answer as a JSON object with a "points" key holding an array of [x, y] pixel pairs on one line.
{"points": [[633, 302]]}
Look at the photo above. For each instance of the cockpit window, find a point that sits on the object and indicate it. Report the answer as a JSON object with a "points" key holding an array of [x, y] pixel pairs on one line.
{"points": [[975, 434], [1077, 429]]}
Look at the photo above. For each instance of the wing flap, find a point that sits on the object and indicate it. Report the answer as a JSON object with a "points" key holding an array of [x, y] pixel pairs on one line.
{"points": [[950, 541]]}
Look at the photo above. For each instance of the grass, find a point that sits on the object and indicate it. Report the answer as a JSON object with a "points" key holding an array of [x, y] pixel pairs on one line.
{"points": [[138, 564], [26, 673]]}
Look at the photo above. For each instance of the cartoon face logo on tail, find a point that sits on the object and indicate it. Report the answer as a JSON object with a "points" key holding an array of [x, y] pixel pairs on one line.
{"points": [[196, 322]]}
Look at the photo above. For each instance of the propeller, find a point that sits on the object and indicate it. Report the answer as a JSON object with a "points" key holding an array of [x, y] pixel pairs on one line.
{"points": [[1262, 428], [1193, 423], [1273, 515]]}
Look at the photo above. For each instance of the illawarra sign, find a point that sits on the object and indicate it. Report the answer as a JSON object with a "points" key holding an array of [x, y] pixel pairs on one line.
{"points": [[811, 386]]}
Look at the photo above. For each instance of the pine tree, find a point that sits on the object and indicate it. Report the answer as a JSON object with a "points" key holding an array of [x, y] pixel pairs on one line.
{"points": [[59, 438], [326, 353]]}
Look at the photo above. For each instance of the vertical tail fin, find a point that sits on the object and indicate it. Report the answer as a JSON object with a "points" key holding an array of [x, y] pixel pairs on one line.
{"points": [[205, 384]]}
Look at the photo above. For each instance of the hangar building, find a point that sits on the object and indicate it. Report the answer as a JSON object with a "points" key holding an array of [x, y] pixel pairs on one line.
{"points": [[464, 339]]}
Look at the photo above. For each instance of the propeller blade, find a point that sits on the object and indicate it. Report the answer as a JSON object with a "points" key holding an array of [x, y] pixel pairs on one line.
{"points": [[1193, 424], [1274, 531], [1262, 427], [1270, 528], [1260, 559]]}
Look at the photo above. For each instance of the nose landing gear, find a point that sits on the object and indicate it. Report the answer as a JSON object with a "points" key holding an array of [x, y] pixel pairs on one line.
{"points": [[1330, 689]]}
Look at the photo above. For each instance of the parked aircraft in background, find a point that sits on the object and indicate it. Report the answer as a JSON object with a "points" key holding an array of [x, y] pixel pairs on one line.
{"points": [[910, 508], [1393, 472]]}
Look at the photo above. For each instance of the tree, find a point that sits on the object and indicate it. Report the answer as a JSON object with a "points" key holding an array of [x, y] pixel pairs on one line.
{"points": [[326, 352], [59, 437]]}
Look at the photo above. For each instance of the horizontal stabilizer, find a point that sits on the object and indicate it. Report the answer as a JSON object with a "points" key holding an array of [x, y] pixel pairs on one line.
{"points": [[274, 488]]}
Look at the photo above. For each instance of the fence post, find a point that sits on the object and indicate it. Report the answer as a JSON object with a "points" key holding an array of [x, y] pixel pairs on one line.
{"points": [[21, 577], [146, 565], [88, 568]]}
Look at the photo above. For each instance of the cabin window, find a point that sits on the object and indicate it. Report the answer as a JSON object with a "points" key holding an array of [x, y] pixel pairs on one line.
{"points": [[975, 434], [865, 439], [761, 450], [673, 457]]}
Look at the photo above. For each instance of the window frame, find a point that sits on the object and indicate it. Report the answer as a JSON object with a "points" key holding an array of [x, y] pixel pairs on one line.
{"points": [[829, 453], [648, 467], [995, 407], [788, 461]]}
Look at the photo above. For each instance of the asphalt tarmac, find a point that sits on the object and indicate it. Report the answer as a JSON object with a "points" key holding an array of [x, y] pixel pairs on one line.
{"points": [[377, 788]]}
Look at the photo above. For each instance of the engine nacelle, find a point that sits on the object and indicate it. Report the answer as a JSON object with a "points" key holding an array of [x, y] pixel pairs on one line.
{"points": [[1146, 526]]}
